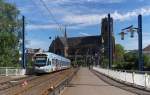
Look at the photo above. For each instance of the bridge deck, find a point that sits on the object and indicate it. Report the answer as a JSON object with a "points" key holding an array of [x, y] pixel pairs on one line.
{"points": [[86, 83]]}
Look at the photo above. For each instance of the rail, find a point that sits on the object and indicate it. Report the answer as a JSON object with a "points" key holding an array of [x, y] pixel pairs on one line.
{"points": [[14, 82], [136, 79]]}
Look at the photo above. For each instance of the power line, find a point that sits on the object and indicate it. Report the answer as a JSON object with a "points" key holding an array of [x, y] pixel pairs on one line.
{"points": [[50, 12]]}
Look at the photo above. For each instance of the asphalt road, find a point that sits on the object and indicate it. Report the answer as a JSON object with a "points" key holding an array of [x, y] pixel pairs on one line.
{"points": [[86, 83]]}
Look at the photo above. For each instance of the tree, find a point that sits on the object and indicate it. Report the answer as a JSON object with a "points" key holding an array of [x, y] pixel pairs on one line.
{"points": [[9, 32], [131, 60], [119, 56], [146, 61]]}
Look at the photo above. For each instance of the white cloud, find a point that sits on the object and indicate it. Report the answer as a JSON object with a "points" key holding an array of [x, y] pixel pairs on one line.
{"points": [[41, 26], [84, 34], [92, 19], [143, 11], [86, 19], [37, 43]]}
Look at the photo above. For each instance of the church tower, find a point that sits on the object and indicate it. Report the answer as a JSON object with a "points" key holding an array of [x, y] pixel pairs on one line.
{"points": [[105, 36]]}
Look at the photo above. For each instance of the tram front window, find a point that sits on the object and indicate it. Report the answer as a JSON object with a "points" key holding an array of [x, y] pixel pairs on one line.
{"points": [[40, 61]]}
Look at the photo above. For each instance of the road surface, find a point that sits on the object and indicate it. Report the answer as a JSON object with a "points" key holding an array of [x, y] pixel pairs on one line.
{"points": [[86, 83]]}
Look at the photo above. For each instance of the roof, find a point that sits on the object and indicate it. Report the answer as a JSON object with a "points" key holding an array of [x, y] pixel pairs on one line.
{"points": [[87, 40], [63, 40], [147, 48], [30, 50]]}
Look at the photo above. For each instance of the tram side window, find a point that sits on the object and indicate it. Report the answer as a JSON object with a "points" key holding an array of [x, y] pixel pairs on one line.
{"points": [[49, 62], [53, 61]]}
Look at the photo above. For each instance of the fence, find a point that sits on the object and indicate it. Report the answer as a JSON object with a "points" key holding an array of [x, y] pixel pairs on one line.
{"points": [[11, 71], [136, 79]]}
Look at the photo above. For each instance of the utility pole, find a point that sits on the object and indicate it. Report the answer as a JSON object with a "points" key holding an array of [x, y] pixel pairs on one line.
{"points": [[110, 42], [23, 43]]}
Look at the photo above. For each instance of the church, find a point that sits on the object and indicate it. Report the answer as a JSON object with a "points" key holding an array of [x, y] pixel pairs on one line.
{"points": [[84, 47]]}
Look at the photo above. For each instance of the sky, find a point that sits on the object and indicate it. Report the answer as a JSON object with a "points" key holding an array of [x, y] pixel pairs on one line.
{"points": [[81, 18]]}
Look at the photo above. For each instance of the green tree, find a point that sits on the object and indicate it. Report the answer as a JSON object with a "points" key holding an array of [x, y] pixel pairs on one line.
{"points": [[119, 56], [131, 60], [146, 61], [9, 32]]}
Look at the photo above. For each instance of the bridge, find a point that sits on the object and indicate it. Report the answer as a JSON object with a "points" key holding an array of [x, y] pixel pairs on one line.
{"points": [[78, 81], [72, 61], [86, 82]]}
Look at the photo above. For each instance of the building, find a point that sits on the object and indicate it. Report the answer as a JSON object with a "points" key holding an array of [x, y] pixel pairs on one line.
{"points": [[84, 47], [146, 50], [105, 36], [76, 47], [31, 52]]}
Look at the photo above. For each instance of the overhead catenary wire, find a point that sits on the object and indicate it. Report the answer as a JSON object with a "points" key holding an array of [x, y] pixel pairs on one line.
{"points": [[60, 26], [50, 12]]}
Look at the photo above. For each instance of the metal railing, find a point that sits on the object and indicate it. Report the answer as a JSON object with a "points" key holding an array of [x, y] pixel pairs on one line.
{"points": [[136, 79], [11, 71]]}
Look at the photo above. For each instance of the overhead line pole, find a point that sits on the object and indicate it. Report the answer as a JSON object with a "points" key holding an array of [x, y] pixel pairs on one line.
{"points": [[23, 42], [141, 64], [110, 42]]}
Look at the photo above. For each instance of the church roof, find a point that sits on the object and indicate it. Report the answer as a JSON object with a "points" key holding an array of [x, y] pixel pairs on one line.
{"points": [[87, 40], [147, 48]]}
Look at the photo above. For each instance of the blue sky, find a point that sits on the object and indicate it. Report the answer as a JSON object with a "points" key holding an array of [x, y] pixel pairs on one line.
{"points": [[82, 18]]}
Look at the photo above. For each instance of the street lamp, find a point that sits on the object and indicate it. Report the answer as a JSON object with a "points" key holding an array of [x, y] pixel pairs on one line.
{"points": [[122, 34], [132, 30]]}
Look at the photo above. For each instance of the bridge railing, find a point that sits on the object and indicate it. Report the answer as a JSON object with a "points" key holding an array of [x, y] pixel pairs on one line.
{"points": [[133, 78], [11, 71]]}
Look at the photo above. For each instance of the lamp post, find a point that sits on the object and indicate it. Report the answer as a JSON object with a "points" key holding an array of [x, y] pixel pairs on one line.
{"points": [[132, 29]]}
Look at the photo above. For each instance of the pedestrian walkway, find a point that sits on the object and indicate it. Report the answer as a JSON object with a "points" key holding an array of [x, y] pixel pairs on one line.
{"points": [[86, 83]]}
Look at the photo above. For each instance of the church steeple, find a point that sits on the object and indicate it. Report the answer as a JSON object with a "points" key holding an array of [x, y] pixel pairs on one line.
{"points": [[65, 33], [66, 44]]}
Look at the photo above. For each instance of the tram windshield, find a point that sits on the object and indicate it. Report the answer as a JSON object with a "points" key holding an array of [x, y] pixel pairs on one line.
{"points": [[40, 61]]}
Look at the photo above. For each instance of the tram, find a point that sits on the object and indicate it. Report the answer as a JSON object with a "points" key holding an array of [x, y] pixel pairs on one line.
{"points": [[47, 62]]}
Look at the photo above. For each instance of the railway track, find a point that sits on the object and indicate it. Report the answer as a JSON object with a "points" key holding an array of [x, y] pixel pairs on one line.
{"points": [[37, 85], [14, 82]]}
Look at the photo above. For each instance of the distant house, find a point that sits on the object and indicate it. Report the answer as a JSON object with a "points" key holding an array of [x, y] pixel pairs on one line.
{"points": [[146, 50], [31, 52]]}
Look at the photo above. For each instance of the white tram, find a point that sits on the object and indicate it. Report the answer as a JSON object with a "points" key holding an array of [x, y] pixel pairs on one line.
{"points": [[46, 62]]}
